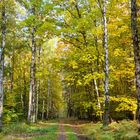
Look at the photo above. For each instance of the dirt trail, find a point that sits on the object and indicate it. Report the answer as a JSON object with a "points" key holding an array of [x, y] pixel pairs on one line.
{"points": [[62, 135], [76, 129]]}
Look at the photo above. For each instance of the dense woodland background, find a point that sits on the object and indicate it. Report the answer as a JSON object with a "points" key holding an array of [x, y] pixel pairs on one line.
{"points": [[54, 62]]}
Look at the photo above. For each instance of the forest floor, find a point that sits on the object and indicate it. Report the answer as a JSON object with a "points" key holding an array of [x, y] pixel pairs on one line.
{"points": [[50, 130], [70, 130]]}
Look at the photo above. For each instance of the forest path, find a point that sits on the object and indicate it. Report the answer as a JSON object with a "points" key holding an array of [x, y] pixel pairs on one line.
{"points": [[70, 131], [62, 135]]}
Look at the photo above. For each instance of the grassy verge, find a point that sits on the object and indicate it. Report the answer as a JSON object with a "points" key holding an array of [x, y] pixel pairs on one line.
{"points": [[40, 131], [50, 131], [70, 135]]}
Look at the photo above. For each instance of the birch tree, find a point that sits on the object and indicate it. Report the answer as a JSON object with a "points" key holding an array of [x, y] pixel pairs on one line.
{"points": [[32, 9], [136, 51], [32, 93], [106, 84]]}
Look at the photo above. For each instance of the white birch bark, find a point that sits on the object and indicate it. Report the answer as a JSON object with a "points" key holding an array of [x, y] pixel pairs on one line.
{"points": [[32, 93], [106, 84], [38, 86], [97, 93]]}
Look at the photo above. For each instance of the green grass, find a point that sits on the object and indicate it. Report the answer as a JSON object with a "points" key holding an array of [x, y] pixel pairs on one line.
{"points": [[48, 137], [124, 130], [15, 128], [51, 133], [70, 135], [39, 131]]}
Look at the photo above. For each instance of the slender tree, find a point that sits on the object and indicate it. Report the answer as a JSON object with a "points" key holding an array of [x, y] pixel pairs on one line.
{"points": [[3, 29], [32, 94], [38, 83], [48, 98], [106, 84], [12, 70], [136, 51]]}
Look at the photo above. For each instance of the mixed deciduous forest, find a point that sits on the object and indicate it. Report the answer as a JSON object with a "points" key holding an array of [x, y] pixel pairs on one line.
{"points": [[70, 69]]}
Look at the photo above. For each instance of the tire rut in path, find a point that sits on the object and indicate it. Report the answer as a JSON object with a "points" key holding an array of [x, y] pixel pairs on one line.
{"points": [[62, 135]]}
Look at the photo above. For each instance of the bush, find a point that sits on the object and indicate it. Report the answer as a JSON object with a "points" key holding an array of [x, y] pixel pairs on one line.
{"points": [[124, 130], [15, 128]]}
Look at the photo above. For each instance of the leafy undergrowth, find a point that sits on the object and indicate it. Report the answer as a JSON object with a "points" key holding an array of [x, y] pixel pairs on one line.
{"points": [[39, 131], [74, 121], [124, 130]]}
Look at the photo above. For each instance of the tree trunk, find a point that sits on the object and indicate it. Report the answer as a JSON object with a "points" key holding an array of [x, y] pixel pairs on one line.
{"points": [[106, 86], [43, 110], [32, 94], [22, 102], [24, 95], [12, 70], [98, 100], [38, 85], [136, 52], [3, 28], [48, 99], [37, 99]]}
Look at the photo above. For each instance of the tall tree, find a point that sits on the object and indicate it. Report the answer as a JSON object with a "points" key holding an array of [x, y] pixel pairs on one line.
{"points": [[32, 94], [106, 86], [3, 29], [33, 9], [136, 51]]}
